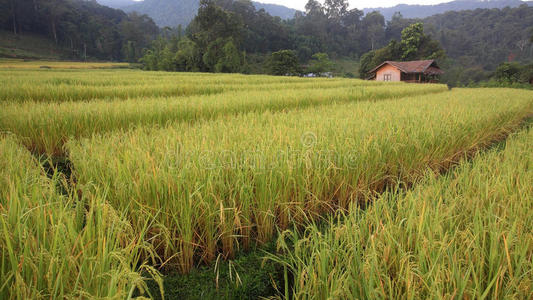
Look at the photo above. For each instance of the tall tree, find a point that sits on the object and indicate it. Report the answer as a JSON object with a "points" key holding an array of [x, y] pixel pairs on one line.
{"points": [[213, 22], [412, 39], [374, 26], [284, 62], [320, 64], [336, 9], [314, 7]]}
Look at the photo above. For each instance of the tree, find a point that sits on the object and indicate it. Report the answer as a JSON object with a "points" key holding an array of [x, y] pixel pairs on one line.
{"points": [[166, 60], [213, 54], [395, 26], [149, 60], [212, 23], [374, 26], [137, 31], [417, 45], [366, 63], [336, 9], [314, 7], [508, 73], [232, 61], [284, 62], [320, 64], [412, 39], [188, 56]]}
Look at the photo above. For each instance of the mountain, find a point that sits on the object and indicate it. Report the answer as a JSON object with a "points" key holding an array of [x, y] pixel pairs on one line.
{"points": [[167, 12], [116, 3], [276, 10], [422, 11], [181, 12]]}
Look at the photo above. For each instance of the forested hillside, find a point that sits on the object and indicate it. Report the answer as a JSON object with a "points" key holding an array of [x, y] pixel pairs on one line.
{"points": [[116, 3], [86, 28], [422, 11], [181, 12], [475, 41]]}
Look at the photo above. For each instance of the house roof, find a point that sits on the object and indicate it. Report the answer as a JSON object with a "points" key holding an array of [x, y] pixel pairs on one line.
{"points": [[428, 67]]}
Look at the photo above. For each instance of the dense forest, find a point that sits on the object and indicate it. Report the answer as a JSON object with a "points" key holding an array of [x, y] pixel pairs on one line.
{"points": [[423, 11], [235, 36], [475, 42], [85, 27], [330, 28], [172, 13]]}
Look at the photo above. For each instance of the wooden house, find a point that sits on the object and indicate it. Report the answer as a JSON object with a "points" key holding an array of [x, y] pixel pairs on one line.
{"points": [[419, 71]]}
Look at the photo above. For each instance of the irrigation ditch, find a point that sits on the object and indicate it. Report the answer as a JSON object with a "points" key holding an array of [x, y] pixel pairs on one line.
{"points": [[250, 275]]}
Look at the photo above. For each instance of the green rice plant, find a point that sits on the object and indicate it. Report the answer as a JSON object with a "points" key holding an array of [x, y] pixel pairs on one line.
{"points": [[218, 185], [54, 247], [465, 235], [45, 127]]}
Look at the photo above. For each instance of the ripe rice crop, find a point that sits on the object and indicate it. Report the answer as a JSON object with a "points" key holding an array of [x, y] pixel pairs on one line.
{"points": [[133, 77], [44, 127], [218, 185], [466, 235], [63, 86], [53, 246]]}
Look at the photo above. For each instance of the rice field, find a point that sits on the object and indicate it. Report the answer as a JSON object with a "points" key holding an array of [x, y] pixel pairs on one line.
{"points": [[164, 172], [84, 85], [75, 110], [58, 246], [465, 235], [288, 167]]}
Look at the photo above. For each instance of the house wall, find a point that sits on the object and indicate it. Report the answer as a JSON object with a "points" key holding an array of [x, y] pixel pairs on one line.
{"points": [[396, 75]]}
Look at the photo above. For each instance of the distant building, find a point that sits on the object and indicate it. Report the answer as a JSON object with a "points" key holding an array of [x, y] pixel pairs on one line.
{"points": [[419, 71]]}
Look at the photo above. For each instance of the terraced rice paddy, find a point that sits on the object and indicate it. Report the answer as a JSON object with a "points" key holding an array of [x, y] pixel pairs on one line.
{"points": [[167, 172], [465, 235], [58, 246]]}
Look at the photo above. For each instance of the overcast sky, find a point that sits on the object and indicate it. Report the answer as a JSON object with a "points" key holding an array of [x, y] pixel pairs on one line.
{"points": [[300, 4]]}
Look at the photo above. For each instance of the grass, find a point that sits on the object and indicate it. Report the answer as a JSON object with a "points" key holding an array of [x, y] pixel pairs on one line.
{"points": [[248, 276], [347, 67], [53, 246], [212, 191], [465, 235]]}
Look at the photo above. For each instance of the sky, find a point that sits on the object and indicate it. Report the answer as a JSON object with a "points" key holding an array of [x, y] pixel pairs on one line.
{"points": [[300, 4]]}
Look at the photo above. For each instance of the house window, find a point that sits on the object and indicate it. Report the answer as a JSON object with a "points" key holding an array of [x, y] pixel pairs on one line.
{"points": [[387, 77]]}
